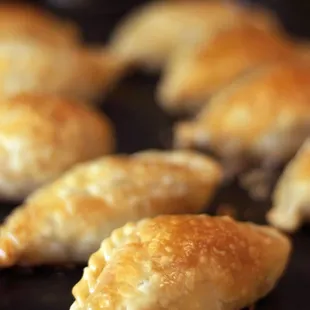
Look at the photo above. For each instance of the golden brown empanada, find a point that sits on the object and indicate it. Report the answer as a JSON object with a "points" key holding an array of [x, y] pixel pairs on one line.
{"points": [[77, 72], [193, 74], [291, 198], [42, 136], [151, 33], [67, 220], [183, 262], [263, 118], [26, 22]]}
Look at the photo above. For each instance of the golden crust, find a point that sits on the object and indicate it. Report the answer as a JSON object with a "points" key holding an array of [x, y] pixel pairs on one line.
{"points": [[76, 72], [67, 220], [263, 116], [195, 73], [42, 136], [183, 262], [151, 33], [26, 22], [291, 198]]}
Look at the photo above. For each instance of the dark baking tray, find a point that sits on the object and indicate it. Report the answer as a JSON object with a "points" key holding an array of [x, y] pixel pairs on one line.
{"points": [[141, 124]]}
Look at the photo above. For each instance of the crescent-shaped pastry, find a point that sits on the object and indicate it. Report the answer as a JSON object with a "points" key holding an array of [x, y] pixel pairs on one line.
{"points": [[67, 220], [183, 262], [80, 73], [26, 22], [291, 198], [42, 136], [262, 118], [151, 33], [193, 74]]}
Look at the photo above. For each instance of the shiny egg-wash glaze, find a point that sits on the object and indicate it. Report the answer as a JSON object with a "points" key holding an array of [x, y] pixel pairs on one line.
{"points": [[65, 221], [42, 136], [183, 262]]}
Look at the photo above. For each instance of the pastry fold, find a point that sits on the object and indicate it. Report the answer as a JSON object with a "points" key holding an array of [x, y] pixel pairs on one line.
{"points": [[42, 136], [261, 118], [183, 262], [78, 72], [149, 35], [195, 73], [66, 220], [291, 198]]}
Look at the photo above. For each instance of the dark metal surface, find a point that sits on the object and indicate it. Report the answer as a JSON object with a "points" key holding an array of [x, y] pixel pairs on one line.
{"points": [[140, 124]]}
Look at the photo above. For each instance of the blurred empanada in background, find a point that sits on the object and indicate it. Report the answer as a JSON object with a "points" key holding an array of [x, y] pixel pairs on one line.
{"points": [[67, 220], [291, 198], [26, 22], [81, 73], [42, 136], [194, 73], [184, 262], [42, 53], [261, 118], [148, 36]]}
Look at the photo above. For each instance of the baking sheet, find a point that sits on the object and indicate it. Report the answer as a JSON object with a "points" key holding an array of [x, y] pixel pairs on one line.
{"points": [[140, 124]]}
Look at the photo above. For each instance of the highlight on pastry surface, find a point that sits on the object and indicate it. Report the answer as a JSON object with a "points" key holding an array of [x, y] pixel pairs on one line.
{"points": [[81, 73], [291, 198], [42, 136], [196, 72], [183, 262], [26, 22], [65, 221], [261, 119], [152, 32]]}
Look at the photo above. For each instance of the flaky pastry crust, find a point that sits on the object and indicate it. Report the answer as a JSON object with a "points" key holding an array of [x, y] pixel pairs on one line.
{"points": [[183, 262], [67, 220], [77, 72], [26, 22], [42, 136], [291, 198], [196, 72], [262, 117], [151, 33]]}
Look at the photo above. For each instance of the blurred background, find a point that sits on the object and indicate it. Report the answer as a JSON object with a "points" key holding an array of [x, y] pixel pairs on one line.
{"points": [[93, 14]]}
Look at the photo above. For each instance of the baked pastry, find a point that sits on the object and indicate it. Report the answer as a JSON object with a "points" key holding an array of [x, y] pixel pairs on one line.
{"points": [[42, 136], [183, 262], [152, 32], [193, 74], [67, 220], [260, 119], [77, 72], [291, 198], [26, 22]]}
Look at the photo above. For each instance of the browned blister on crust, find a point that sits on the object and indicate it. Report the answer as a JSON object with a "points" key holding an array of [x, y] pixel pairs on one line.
{"points": [[183, 262], [262, 117], [291, 198], [67, 220], [150, 34], [42, 136], [196, 72]]}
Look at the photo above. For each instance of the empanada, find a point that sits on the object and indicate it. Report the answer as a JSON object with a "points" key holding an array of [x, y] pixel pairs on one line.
{"points": [[262, 118], [42, 136], [193, 74], [151, 33], [26, 22], [76, 72], [291, 198], [67, 220], [183, 262]]}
